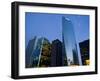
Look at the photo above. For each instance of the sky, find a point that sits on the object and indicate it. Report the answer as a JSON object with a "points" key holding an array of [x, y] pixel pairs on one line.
{"points": [[50, 26]]}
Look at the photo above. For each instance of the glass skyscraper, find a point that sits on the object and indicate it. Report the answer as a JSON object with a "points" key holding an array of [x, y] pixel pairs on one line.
{"points": [[38, 53], [69, 41], [33, 52], [45, 55]]}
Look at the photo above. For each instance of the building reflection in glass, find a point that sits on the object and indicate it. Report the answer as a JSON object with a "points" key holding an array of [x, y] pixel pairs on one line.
{"points": [[45, 55], [69, 41], [33, 52], [38, 53]]}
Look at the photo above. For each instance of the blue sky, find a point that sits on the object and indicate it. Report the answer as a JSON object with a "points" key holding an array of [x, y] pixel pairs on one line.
{"points": [[50, 26]]}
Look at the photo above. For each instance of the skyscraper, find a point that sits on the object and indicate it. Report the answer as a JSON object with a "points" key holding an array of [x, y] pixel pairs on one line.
{"points": [[64, 56], [69, 41], [38, 53], [45, 54], [29, 51], [56, 53], [33, 52], [84, 49]]}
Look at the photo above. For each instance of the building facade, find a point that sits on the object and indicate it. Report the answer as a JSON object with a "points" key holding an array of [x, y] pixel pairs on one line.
{"points": [[33, 52], [56, 53], [28, 52], [45, 54], [84, 49], [38, 53], [69, 41]]}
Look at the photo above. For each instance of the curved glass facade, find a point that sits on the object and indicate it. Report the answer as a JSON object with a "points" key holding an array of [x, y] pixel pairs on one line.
{"points": [[38, 53], [32, 56]]}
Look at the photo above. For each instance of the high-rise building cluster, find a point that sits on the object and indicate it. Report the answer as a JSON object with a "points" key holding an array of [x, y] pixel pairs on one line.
{"points": [[41, 53]]}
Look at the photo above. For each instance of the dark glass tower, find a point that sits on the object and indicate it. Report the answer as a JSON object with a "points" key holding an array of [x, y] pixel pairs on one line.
{"points": [[69, 41], [56, 53], [84, 49]]}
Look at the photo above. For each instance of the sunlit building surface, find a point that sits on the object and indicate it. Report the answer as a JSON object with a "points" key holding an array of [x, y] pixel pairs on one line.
{"points": [[84, 49], [45, 56], [69, 41], [38, 53], [64, 56]]}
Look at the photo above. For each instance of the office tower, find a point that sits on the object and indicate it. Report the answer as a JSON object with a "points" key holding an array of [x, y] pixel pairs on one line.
{"points": [[64, 56], [45, 54], [69, 41], [33, 52], [56, 53], [29, 51], [84, 49], [38, 53]]}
